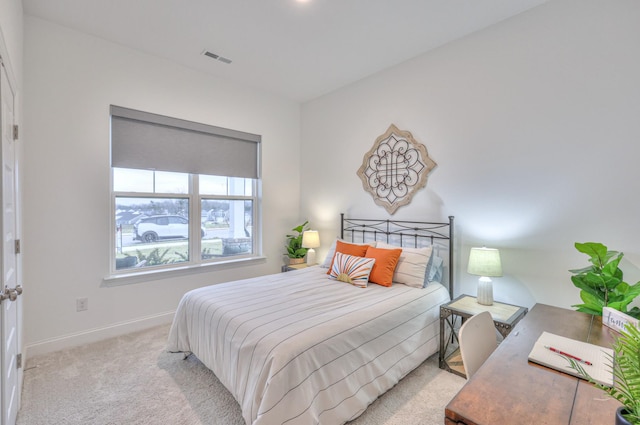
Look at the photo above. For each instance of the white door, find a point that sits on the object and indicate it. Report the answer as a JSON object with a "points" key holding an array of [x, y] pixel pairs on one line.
{"points": [[11, 301]]}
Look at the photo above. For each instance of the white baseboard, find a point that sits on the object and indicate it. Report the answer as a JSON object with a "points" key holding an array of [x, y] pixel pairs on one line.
{"points": [[98, 334]]}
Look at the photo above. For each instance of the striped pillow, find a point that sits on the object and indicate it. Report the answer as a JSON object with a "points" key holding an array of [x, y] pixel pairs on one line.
{"points": [[351, 269], [412, 265]]}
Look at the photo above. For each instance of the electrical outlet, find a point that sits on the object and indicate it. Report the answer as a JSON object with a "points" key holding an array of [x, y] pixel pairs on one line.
{"points": [[82, 304]]}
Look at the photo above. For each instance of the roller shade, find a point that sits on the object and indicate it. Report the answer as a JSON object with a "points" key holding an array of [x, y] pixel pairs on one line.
{"points": [[148, 141]]}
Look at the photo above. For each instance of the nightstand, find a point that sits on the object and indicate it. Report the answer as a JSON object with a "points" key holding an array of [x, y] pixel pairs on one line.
{"points": [[505, 317], [290, 267]]}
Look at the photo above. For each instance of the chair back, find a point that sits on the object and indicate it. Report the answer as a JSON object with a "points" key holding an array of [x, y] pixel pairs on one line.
{"points": [[477, 338]]}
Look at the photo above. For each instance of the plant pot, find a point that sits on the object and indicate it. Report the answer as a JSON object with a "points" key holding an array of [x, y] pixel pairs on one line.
{"points": [[295, 261], [620, 420]]}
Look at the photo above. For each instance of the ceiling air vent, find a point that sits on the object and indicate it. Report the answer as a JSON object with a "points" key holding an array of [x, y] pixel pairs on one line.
{"points": [[216, 57]]}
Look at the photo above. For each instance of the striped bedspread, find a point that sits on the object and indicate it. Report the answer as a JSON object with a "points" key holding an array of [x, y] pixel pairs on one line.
{"points": [[299, 348]]}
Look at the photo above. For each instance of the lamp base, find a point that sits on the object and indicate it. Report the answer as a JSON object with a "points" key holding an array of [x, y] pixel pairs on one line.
{"points": [[311, 257], [485, 291]]}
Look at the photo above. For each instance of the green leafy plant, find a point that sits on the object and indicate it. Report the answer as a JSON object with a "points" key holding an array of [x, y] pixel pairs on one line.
{"points": [[601, 283], [294, 242], [626, 372], [154, 258]]}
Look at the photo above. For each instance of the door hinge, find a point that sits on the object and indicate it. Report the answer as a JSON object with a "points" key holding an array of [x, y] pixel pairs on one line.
{"points": [[15, 132], [19, 361], [17, 246]]}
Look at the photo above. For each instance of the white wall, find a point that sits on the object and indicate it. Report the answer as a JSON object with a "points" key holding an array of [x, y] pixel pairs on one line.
{"points": [[534, 125], [70, 81]]}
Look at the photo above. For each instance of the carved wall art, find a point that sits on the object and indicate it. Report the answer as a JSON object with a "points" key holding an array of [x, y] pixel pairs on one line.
{"points": [[395, 168]]}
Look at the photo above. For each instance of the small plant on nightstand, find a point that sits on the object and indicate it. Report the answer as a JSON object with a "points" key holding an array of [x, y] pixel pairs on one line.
{"points": [[295, 251]]}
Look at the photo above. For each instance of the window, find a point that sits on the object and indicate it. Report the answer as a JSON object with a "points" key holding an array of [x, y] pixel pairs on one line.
{"points": [[181, 216]]}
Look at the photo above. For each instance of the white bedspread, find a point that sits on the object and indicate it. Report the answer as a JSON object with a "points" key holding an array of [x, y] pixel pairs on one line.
{"points": [[299, 348]]}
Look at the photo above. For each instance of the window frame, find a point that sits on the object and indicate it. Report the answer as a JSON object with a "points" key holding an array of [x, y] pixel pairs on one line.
{"points": [[195, 262]]}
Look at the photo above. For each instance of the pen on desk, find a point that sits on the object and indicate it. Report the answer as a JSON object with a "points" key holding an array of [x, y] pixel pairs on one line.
{"points": [[555, 350]]}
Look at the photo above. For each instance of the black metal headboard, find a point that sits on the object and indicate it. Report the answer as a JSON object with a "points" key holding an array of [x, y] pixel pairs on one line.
{"points": [[414, 234]]}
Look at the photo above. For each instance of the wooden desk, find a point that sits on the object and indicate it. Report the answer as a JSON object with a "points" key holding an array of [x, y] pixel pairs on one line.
{"points": [[508, 389]]}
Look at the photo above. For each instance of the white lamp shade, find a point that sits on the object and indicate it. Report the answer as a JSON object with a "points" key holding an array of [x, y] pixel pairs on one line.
{"points": [[485, 262], [310, 239]]}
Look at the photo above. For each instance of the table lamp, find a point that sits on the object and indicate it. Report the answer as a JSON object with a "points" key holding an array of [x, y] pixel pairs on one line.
{"points": [[485, 262], [310, 240]]}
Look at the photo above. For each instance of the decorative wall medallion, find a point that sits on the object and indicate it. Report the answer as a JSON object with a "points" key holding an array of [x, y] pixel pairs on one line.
{"points": [[395, 168]]}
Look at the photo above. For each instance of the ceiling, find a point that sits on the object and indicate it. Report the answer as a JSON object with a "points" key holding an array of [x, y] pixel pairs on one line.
{"points": [[295, 49]]}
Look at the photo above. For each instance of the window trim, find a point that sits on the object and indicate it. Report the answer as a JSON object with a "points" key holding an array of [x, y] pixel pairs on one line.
{"points": [[195, 263], [144, 140], [156, 274]]}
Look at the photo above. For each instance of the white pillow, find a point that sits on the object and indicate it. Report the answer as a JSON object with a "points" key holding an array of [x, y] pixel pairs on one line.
{"points": [[412, 265], [327, 260]]}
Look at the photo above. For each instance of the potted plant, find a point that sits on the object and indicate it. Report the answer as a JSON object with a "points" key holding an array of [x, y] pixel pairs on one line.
{"points": [[626, 372], [295, 251], [601, 283]]}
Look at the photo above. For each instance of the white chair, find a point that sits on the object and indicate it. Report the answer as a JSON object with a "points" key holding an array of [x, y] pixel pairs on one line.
{"points": [[477, 338]]}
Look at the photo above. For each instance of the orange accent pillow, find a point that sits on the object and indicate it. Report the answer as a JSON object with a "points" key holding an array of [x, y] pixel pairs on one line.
{"points": [[385, 265], [349, 249]]}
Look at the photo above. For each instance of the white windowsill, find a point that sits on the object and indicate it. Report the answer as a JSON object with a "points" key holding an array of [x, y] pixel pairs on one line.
{"points": [[164, 273]]}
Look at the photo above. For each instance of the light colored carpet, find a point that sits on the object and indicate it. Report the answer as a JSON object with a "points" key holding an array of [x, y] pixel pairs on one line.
{"points": [[133, 380]]}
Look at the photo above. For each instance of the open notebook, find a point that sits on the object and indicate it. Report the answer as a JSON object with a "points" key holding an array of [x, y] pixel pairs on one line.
{"points": [[599, 357]]}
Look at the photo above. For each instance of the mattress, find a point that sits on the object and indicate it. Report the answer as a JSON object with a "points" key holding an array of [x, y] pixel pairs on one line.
{"points": [[299, 348]]}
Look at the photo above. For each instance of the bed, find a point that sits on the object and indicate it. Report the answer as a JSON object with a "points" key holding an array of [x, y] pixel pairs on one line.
{"points": [[302, 348]]}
